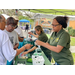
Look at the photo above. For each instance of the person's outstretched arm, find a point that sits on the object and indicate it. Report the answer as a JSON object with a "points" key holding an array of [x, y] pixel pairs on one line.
{"points": [[29, 50], [27, 46], [33, 34]]}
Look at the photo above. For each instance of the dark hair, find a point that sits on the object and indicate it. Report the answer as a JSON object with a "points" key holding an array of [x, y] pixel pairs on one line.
{"points": [[62, 20], [11, 21], [16, 22], [38, 27]]}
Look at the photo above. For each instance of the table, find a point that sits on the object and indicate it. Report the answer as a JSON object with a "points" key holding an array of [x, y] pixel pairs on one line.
{"points": [[24, 61]]}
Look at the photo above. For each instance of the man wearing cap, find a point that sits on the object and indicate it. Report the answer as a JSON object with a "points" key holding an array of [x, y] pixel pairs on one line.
{"points": [[19, 32], [18, 29]]}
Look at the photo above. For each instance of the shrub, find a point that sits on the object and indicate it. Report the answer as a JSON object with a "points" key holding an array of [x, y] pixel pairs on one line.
{"points": [[27, 18], [21, 17], [70, 30], [73, 32]]}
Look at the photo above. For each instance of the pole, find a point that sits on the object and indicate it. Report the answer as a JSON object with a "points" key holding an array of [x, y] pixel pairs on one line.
{"points": [[68, 24], [16, 11]]}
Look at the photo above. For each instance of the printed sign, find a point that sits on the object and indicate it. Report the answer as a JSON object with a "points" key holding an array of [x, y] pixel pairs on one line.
{"points": [[44, 22]]}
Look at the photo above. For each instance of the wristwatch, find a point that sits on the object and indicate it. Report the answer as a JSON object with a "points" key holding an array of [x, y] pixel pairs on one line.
{"points": [[36, 45]]}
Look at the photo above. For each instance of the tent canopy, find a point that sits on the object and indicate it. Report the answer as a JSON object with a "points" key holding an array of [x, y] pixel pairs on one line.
{"points": [[38, 16], [24, 20]]}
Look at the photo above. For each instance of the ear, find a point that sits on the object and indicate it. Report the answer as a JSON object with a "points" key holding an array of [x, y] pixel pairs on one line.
{"points": [[39, 31], [60, 26], [2, 26]]}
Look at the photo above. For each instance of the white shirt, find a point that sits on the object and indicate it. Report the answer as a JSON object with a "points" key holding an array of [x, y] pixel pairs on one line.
{"points": [[6, 49], [19, 31]]}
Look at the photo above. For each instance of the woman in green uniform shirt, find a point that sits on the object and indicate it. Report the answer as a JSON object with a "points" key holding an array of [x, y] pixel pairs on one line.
{"points": [[42, 37], [59, 42]]}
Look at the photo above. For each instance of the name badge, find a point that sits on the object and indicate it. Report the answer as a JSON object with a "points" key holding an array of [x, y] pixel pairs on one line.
{"points": [[51, 38], [57, 39]]}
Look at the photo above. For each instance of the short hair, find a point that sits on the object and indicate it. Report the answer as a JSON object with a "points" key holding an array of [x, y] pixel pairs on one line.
{"points": [[11, 21]]}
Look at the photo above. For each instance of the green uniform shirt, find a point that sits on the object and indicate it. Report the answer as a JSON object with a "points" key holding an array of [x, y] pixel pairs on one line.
{"points": [[61, 38], [43, 37]]}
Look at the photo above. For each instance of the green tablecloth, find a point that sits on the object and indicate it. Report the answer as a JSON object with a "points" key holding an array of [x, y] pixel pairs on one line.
{"points": [[24, 61]]}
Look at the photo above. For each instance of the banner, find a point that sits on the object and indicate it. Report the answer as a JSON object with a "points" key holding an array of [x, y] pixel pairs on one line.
{"points": [[44, 22]]}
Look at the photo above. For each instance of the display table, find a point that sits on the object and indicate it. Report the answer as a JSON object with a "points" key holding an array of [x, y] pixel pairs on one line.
{"points": [[24, 61]]}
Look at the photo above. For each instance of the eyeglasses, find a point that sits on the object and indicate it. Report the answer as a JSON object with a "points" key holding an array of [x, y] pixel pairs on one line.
{"points": [[55, 25]]}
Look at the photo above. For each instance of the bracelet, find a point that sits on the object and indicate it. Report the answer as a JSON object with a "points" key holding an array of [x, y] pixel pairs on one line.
{"points": [[24, 46]]}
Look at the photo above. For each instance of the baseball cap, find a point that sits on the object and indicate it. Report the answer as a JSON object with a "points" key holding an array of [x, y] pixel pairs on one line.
{"points": [[15, 17]]}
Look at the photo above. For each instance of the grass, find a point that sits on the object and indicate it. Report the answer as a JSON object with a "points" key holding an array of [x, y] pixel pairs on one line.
{"points": [[73, 54], [48, 35], [72, 43]]}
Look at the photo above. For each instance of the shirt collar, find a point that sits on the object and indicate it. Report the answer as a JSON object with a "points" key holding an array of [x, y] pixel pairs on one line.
{"points": [[41, 33], [55, 33]]}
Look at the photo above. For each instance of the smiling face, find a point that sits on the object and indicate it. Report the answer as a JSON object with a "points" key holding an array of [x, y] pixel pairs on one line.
{"points": [[56, 26]]}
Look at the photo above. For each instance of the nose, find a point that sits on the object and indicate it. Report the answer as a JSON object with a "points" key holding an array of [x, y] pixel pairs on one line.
{"points": [[52, 26]]}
